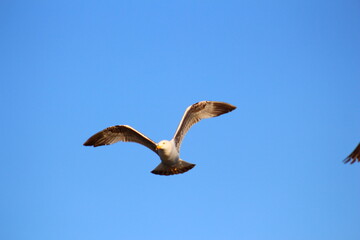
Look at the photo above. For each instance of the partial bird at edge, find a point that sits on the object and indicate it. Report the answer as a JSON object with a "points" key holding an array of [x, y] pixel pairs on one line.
{"points": [[354, 156]]}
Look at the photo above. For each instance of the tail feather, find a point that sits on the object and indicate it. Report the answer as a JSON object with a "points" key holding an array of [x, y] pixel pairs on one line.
{"points": [[180, 167]]}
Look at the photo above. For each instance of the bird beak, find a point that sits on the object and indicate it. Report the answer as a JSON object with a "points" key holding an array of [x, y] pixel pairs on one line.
{"points": [[158, 147]]}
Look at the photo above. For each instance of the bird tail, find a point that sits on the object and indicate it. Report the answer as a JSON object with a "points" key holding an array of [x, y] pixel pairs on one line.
{"points": [[180, 167]]}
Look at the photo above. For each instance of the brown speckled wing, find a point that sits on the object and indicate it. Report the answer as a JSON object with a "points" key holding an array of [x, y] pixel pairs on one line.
{"points": [[196, 112], [121, 133]]}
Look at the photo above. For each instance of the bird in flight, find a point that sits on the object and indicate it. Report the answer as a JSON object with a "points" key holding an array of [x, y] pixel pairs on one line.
{"points": [[168, 151], [354, 156]]}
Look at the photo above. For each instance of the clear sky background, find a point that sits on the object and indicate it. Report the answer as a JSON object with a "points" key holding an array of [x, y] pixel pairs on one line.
{"points": [[272, 169]]}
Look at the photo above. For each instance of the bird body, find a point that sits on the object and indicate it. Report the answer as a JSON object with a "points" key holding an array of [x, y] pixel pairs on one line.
{"points": [[170, 159], [168, 151]]}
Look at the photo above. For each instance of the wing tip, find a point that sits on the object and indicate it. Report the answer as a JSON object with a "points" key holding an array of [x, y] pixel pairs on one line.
{"points": [[351, 160], [89, 144], [347, 160], [94, 141], [223, 107], [354, 156]]}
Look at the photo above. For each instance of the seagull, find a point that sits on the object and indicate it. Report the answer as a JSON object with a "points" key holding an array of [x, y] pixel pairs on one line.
{"points": [[168, 151], [354, 156]]}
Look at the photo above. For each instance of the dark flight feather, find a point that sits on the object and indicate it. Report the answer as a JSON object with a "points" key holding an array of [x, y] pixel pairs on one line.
{"points": [[354, 156]]}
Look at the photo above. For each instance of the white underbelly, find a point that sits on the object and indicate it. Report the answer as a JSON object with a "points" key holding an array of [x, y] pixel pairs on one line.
{"points": [[170, 160]]}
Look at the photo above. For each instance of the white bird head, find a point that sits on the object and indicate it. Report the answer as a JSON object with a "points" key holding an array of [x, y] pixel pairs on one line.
{"points": [[163, 145], [167, 151]]}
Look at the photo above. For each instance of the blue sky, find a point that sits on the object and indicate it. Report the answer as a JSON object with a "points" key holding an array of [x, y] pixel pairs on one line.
{"points": [[272, 169]]}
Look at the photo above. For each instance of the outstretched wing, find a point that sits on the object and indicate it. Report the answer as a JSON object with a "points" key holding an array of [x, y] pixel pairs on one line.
{"points": [[354, 156], [118, 133], [196, 112]]}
